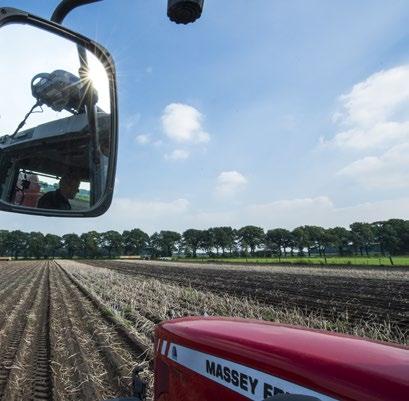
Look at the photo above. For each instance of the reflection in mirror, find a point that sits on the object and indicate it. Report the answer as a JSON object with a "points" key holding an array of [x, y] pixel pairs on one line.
{"points": [[55, 122]]}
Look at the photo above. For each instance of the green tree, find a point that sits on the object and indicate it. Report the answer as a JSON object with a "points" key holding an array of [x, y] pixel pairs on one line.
{"points": [[91, 243], [340, 238], [17, 243], [72, 244], [398, 228], [315, 238], [155, 245], [166, 242], [392, 236], [112, 242], [274, 241], [224, 238], [362, 235], [301, 240], [36, 244], [279, 240], [325, 239], [53, 244], [4, 242], [134, 241], [250, 237], [207, 242], [192, 240]]}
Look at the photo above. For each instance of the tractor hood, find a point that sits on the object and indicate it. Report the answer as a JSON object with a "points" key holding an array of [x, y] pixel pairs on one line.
{"points": [[260, 359]]}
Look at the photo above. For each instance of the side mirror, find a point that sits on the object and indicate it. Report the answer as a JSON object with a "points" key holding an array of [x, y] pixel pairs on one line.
{"points": [[58, 119]]}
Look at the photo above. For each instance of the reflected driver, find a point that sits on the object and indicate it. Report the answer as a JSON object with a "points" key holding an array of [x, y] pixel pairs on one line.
{"points": [[59, 199]]}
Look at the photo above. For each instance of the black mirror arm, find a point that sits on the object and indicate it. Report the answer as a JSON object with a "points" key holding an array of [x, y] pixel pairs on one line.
{"points": [[66, 6], [91, 111], [61, 11]]}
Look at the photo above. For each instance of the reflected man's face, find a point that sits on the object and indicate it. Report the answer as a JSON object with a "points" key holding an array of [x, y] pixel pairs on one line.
{"points": [[69, 188]]}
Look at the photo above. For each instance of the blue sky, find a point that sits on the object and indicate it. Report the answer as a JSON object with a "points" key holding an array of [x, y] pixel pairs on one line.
{"points": [[275, 113]]}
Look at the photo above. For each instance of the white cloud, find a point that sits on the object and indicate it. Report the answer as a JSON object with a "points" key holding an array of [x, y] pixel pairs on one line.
{"points": [[154, 215], [125, 207], [321, 211], [177, 154], [291, 206], [379, 136], [143, 139], [229, 183], [374, 120], [131, 121], [390, 170], [183, 123], [375, 113]]}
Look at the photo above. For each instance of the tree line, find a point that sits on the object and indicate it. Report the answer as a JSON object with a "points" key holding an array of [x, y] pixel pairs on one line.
{"points": [[389, 237]]}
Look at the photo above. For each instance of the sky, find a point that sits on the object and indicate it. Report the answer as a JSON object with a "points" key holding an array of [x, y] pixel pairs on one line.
{"points": [[272, 113]]}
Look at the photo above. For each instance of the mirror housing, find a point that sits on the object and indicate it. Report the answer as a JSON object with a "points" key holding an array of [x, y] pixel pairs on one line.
{"points": [[184, 11], [38, 146]]}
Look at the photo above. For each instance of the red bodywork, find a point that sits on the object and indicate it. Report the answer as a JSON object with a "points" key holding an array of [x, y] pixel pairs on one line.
{"points": [[31, 195], [196, 359]]}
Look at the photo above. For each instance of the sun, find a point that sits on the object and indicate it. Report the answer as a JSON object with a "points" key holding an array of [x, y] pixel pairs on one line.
{"points": [[100, 81]]}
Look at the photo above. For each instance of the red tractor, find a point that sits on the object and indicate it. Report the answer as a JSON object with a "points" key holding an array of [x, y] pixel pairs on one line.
{"points": [[198, 359]]}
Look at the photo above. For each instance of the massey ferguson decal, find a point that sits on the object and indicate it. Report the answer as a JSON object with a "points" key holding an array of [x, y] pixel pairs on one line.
{"points": [[246, 381]]}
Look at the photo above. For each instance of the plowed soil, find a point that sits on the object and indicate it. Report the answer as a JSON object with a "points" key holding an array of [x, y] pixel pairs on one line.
{"points": [[55, 343]]}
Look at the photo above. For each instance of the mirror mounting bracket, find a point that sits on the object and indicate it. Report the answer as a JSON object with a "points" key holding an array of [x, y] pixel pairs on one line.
{"points": [[66, 6]]}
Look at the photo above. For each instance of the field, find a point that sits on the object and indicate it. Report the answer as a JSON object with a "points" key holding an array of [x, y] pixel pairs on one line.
{"points": [[74, 330], [314, 260]]}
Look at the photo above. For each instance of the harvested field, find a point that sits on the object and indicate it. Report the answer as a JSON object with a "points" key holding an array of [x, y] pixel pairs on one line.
{"points": [[56, 344], [75, 331], [357, 296]]}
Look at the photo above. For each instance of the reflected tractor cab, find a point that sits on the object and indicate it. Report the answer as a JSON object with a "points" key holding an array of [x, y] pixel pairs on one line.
{"points": [[33, 161], [51, 151]]}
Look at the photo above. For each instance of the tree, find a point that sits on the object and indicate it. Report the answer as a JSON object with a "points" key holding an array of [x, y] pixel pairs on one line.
{"points": [[250, 237], [3, 242], [35, 244], [341, 238], [392, 236], [16, 242], [72, 244], [325, 239], [52, 244], [301, 240], [362, 236], [134, 241], [272, 243], [315, 237], [165, 242], [91, 242], [279, 240], [155, 245], [223, 238], [192, 240], [397, 228], [207, 242], [112, 242]]}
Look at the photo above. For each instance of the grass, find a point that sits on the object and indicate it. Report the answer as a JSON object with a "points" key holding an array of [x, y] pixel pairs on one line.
{"points": [[314, 260]]}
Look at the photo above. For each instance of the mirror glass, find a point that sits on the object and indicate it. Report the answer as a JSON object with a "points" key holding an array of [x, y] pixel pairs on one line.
{"points": [[55, 121]]}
